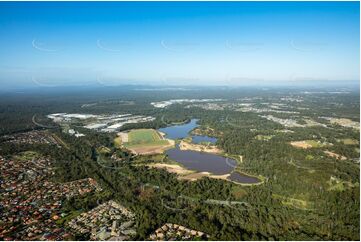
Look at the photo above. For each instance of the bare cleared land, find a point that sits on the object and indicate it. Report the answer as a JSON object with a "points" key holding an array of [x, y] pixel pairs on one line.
{"points": [[201, 148], [345, 122], [185, 174], [334, 155], [306, 144], [301, 144]]}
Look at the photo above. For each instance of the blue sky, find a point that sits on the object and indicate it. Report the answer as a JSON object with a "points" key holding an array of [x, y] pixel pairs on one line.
{"points": [[229, 43]]}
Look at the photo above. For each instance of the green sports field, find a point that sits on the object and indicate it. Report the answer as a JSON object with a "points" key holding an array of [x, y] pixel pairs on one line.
{"points": [[144, 137]]}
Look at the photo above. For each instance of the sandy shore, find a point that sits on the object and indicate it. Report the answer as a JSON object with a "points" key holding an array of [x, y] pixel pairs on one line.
{"points": [[185, 174], [177, 169], [200, 148], [198, 175]]}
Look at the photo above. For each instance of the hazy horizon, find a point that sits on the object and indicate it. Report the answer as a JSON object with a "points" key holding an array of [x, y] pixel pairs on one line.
{"points": [[179, 43]]}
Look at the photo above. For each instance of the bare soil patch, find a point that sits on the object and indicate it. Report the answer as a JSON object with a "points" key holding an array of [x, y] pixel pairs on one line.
{"points": [[335, 155], [185, 174], [150, 150], [198, 175], [345, 122], [301, 144], [172, 168], [200, 148], [123, 136]]}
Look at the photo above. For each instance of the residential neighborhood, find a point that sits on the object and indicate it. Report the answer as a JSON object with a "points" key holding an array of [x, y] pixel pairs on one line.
{"points": [[31, 137], [30, 203], [108, 221], [171, 231]]}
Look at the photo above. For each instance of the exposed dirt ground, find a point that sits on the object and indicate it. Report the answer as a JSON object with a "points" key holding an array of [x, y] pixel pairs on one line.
{"points": [[148, 150], [123, 136], [201, 148], [345, 122], [334, 155], [184, 173], [177, 169], [301, 144], [198, 175]]}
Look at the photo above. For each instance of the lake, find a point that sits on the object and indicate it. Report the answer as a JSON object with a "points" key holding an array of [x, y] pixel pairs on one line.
{"points": [[182, 131], [203, 138], [200, 161], [242, 178], [179, 131]]}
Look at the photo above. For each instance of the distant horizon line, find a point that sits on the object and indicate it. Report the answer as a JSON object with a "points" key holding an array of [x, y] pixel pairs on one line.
{"points": [[134, 86]]}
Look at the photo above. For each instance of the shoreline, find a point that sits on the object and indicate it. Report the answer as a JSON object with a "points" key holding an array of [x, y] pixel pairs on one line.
{"points": [[192, 175], [183, 145]]}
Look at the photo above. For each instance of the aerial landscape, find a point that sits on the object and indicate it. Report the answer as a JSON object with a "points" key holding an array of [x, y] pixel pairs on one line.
{"points": [[179, 156]]}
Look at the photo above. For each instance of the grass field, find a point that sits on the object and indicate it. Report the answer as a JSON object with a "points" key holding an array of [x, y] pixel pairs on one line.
{"points": [[103, 150], [264, 137], [145, 142], [144, 137], [293, 202], [60, 141], [349, 141], [336, 184], [118, 142], [27, 155]]}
